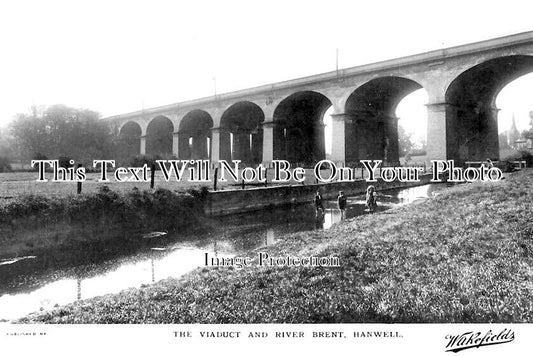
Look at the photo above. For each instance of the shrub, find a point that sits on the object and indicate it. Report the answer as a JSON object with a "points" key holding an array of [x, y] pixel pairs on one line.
{"points": [[64, 162], [38, 157], [506, 164], [200, 194], [161, 209], [4, 165], [528, 157]]}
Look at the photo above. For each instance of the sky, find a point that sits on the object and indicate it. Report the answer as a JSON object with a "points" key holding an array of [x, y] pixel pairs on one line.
{"points": [[118, 56]]}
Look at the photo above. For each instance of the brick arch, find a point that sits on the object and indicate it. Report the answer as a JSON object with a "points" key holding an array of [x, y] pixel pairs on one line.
{"points": [[194, 132], [371, 127], [241, 133], [299, 129], [159, 136], [472, 112]]}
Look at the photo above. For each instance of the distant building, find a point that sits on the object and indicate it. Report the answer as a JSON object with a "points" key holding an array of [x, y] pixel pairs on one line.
{"points": [[520, 144]]}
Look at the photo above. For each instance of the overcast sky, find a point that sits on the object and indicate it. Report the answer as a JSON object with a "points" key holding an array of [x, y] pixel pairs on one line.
{"points": [[111, 56]]}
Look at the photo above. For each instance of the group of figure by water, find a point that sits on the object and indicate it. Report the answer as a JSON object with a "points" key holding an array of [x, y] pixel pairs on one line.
{"points": [[370, 203]]}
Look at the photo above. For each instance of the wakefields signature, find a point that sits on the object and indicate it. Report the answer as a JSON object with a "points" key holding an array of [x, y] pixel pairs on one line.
{"points": [[477, 339]]}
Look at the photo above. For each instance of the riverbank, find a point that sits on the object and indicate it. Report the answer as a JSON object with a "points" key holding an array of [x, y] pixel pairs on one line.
{"points": [[463, 256], [34, 224]]}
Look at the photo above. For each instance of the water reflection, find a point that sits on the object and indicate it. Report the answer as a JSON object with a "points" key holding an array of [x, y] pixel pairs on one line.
{"points": [[331, 217], [229, 236], [127, 274]]}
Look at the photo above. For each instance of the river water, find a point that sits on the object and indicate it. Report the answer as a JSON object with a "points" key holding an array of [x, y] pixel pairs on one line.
{"points": [[27, 288]]}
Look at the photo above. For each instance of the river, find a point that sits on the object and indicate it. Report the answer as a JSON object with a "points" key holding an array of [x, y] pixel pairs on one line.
{"points": [[42, 282]]}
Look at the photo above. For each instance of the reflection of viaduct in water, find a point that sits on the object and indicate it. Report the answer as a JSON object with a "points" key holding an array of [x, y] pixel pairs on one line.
{"points": [[285, 120]]}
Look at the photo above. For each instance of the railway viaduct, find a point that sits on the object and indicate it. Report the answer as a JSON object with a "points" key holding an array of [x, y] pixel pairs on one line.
{"points": [[285, 120]]}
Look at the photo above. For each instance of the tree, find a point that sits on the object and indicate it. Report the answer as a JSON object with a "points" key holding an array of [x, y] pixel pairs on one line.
{"points": [[60, 130], [527, 133], [6, 144], [405, 141]]}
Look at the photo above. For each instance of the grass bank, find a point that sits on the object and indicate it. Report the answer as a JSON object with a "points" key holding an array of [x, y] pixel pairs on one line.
{"points": [[14, 184], [34, 222], [463, 256]]}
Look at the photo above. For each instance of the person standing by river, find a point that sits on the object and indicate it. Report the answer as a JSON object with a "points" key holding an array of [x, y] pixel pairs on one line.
{"points": [[319, 204], [341, 203], [371, 199]]}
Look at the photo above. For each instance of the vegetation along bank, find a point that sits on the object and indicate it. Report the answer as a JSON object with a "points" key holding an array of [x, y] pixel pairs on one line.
{"points": [[32, 223]]}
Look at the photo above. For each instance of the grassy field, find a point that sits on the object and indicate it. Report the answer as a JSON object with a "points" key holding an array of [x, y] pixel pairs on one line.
{"points": [[463, 256], [22, 183], [17, 183]]}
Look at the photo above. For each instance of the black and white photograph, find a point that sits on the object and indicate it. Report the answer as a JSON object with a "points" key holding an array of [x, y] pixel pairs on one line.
{"points": [[263, 176]]}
